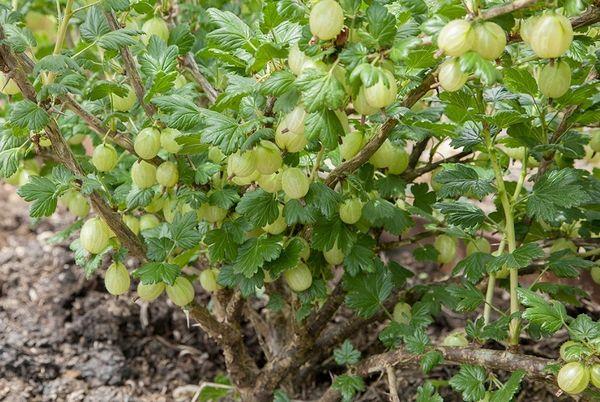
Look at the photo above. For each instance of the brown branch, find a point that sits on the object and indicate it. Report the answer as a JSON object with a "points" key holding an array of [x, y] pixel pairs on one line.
{"points": [[190, 62], [63, 152], [411, 174], [131, 69], [490, 359], [505, 9], [240, 365]]}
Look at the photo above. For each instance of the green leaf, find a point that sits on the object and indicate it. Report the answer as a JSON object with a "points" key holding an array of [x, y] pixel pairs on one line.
{"points": [[361, 256], [320, 90], [18, 39], [327, 233], [460, 213], [550, 315], [519, 80], [427, 393], [583, 328], [89, 263], [57, 63], [469, 136], [182, 112], [348, 386], [367, 292], [139, 197], [509, 388], [289, 258], [247, 286], [461, 180], [566, 265], [381, 24], [469, 297], [382, 213], [295, 212], [323, 198], [154, 272], [158, 57], [520, 258], [470, 381], [94, 26], [278, 83], [473, 266], [259, 207], [265, 53], [255, 252], [27, 114], [346, 354], [223, 131], [184, 230], [42, 193], [10, 151], [430, 360], [232, 33], [224, 198], [554, 192], [223, 242], [158, 248], [115, 40], [182, 37], [324, 125]]}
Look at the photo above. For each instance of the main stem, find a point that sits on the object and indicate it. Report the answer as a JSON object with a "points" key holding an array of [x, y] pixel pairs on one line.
{"points": [[61, 35], [509, 233]]}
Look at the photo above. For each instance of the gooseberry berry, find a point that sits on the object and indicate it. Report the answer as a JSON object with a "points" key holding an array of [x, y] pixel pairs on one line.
{"points": [[326, 19], [446, 248], [384, 92], [168, 140], [456, 38], [147, 143], [94, 235], [167, 174], [155, 26], [208, 280], [351, 210], [150, 291], [554, 79], [104, 157], [573, 378], [268, 157], [402, 313], [450, 76], [143, 174], [490, 40], [116, 279], [182, 292], [294, 183], [551, 36], [298, 278]]}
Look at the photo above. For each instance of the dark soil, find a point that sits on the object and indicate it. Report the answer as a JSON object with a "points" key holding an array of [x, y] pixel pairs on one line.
{"points": [[64, 338]]}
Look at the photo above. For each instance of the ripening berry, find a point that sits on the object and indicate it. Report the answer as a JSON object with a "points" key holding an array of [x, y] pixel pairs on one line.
{"points": [[123, 104], [143, 174], [157, 203], [384, 92], [148, 221], [278, 226], [361, 105], [182, 292], [551, 36], [351, 210], [384, 156], [215, 154], [296, 59], [290, 131], [241, 164], [104, 158], [8, 86], [351, 144], [456, 38], [150, 291], [147, 143], [132, 223], [456, 340], [573, 378], [326, 19], [305, 253], [479, 245], [402, 313], [446, 248], [554, 79], [595, 141], [268, 157], [595, 375], [94, 235], [490, 40], [527, 28], [155, 26], [334, 255], [298, 278], [211, 213], [399, 161], [595, 273], [450, 76], [168, 140], [208, 280], [116, 279], [294, 183], [563, 351], [270, 183], [167, 174], [78, 205]]}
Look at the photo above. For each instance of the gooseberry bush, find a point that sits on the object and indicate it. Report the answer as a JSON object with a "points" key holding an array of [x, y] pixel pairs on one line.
{"points": [[266, 156]]}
